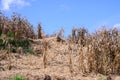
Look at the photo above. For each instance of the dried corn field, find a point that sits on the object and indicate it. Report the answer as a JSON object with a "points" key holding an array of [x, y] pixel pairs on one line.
{"points": [[82, 56]]}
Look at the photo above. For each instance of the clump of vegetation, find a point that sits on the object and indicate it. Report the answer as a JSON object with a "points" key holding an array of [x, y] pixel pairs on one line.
{"points": [[18, 77], [99, 52], [102, 52], [15, 31]]}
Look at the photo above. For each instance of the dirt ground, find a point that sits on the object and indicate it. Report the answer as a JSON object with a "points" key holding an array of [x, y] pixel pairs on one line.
{"points": [[31, 67], [57, 68]]}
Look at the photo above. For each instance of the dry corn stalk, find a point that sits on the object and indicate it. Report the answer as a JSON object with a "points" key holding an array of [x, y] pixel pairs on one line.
{"points": [[39, 31], [60, 35], [9, 57], [70, 59], [81, 64], [45, 45], [73, 35]]}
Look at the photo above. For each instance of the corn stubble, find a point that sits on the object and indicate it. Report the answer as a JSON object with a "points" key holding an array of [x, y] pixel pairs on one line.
{"points": [[99, 52]]}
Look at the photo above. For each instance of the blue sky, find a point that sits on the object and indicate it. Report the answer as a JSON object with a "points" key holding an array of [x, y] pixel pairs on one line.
{"points": [[56, 14]]}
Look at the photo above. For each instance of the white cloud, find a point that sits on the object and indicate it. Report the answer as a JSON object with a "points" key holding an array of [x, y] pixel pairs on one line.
{"points": [[8, 4], [116, 26]]}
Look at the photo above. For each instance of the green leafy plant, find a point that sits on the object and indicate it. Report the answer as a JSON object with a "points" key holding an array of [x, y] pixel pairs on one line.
{"points": [[18, 77], [29, 50], [10, 35]]}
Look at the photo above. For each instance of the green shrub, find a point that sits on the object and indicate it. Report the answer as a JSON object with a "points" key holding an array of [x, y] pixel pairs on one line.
{"points": [[18, 77]]}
